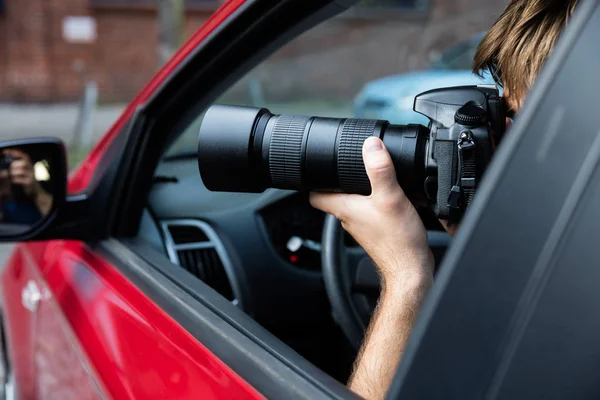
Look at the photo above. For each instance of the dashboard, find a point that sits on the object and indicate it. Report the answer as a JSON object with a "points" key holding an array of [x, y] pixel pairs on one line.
{"points": [[260, 251], [281, 227], [267, 242], [294, 228]]}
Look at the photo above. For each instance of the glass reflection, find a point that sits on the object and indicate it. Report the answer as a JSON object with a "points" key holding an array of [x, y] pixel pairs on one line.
{"points": [[25, 197]]}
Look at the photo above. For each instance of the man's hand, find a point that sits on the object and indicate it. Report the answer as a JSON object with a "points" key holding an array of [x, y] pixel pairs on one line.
{"points": [[385, 224], [388, 227], [21, 172]]}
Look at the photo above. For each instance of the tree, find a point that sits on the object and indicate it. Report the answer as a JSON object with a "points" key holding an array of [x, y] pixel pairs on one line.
{"points": [[170, 28]]}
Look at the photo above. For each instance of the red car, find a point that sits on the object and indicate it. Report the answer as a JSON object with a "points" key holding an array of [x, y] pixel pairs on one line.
{"points": [[142, 284]]}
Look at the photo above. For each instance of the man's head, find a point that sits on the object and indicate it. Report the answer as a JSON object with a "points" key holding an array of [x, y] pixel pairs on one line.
{"points": [[518, 44]]}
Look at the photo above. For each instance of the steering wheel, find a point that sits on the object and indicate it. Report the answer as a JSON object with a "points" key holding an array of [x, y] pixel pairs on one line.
{"points": [[351, 281]]}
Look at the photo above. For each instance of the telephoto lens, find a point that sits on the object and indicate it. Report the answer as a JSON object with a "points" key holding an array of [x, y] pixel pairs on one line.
{"points": [[243, 149]]}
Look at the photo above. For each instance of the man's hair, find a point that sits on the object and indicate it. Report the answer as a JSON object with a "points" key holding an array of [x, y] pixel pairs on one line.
{"points": [[518, 44]]}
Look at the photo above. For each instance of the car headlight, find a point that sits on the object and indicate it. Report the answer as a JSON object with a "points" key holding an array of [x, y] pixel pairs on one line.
{"points": [[406, 103]]}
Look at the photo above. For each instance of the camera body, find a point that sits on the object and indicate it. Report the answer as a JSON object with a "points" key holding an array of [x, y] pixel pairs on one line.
{"points": [[442, 163], [5, 162], [466, 124]]}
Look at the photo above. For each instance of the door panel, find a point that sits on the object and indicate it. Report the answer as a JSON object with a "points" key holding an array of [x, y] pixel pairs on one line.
{"points": [[61, 369], [18, 323], [46, 358], [126, 346]]}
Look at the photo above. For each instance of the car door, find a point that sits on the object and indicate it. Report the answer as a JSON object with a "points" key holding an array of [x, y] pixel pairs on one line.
{"points": [[254, 361], [75, 328], [60, 366], [102, 322], [18, 322], [47, 359], [92, 335]]}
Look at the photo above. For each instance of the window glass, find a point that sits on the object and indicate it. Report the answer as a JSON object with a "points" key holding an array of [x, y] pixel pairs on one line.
{"points": [[366, 67]]}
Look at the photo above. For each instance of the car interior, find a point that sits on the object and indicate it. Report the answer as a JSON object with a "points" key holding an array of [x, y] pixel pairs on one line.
{"points": [[262, 252]]}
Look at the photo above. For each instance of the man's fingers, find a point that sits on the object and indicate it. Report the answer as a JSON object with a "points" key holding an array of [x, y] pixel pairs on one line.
{"points": [[379, 166], [20, 164], [18, 176], [20, 173], [338, 204], [19, 167], [326, 202]]}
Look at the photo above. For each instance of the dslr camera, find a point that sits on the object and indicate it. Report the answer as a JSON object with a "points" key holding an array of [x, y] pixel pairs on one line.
{"points": [[243, 149], [5, 162]]}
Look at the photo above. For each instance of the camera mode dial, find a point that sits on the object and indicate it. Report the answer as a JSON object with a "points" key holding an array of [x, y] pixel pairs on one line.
{"points": [[471, 114]]}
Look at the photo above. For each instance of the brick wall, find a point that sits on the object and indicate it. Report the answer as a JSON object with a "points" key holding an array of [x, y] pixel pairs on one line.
{"points": [[37, 65], [3, 50], [26, 62]]}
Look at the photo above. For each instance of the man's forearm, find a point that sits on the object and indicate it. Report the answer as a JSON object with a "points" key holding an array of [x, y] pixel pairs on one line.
{"points": [[387, 336]]}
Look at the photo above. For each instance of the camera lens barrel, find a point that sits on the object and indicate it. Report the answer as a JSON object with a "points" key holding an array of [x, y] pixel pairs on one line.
{"points": [[244, 149], [225, 149], [285, 149]]}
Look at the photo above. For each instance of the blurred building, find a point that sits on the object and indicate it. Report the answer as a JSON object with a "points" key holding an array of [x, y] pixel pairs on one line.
{"points": [[49, 47]]}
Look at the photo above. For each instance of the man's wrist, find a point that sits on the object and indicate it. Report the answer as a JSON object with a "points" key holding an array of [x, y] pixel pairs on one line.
{"points": [[409, 285]]}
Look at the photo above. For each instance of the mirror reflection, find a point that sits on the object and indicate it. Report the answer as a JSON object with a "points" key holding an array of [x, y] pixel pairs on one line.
{"points": [[25, 187]]}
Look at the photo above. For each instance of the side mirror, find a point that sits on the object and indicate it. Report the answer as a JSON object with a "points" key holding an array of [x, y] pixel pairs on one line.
{"points": [[33, 186]]}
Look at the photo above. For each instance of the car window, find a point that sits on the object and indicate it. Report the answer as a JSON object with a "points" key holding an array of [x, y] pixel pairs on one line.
{"points": [[368, 63], [459, 56]]}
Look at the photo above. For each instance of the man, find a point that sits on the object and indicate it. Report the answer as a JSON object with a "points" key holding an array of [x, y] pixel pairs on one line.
{"points": [[387, 225], [23, 200]]}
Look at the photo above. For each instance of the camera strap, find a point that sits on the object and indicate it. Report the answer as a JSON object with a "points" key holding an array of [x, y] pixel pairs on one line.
{"points": [[466, 152], [463, 190]]}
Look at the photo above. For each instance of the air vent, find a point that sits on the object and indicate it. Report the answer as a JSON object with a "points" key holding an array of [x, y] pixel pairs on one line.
{"points": [[182, 234], [206, 265], [195, 246]]}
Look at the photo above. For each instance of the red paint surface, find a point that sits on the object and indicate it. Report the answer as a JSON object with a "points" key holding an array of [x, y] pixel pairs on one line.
{"points": [[19, 323], [82, 176], [61, 368], [130, 348]]}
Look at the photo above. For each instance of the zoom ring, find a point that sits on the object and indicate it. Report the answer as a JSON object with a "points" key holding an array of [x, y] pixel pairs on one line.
{"points": [[352, 175], [285, 152]]}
